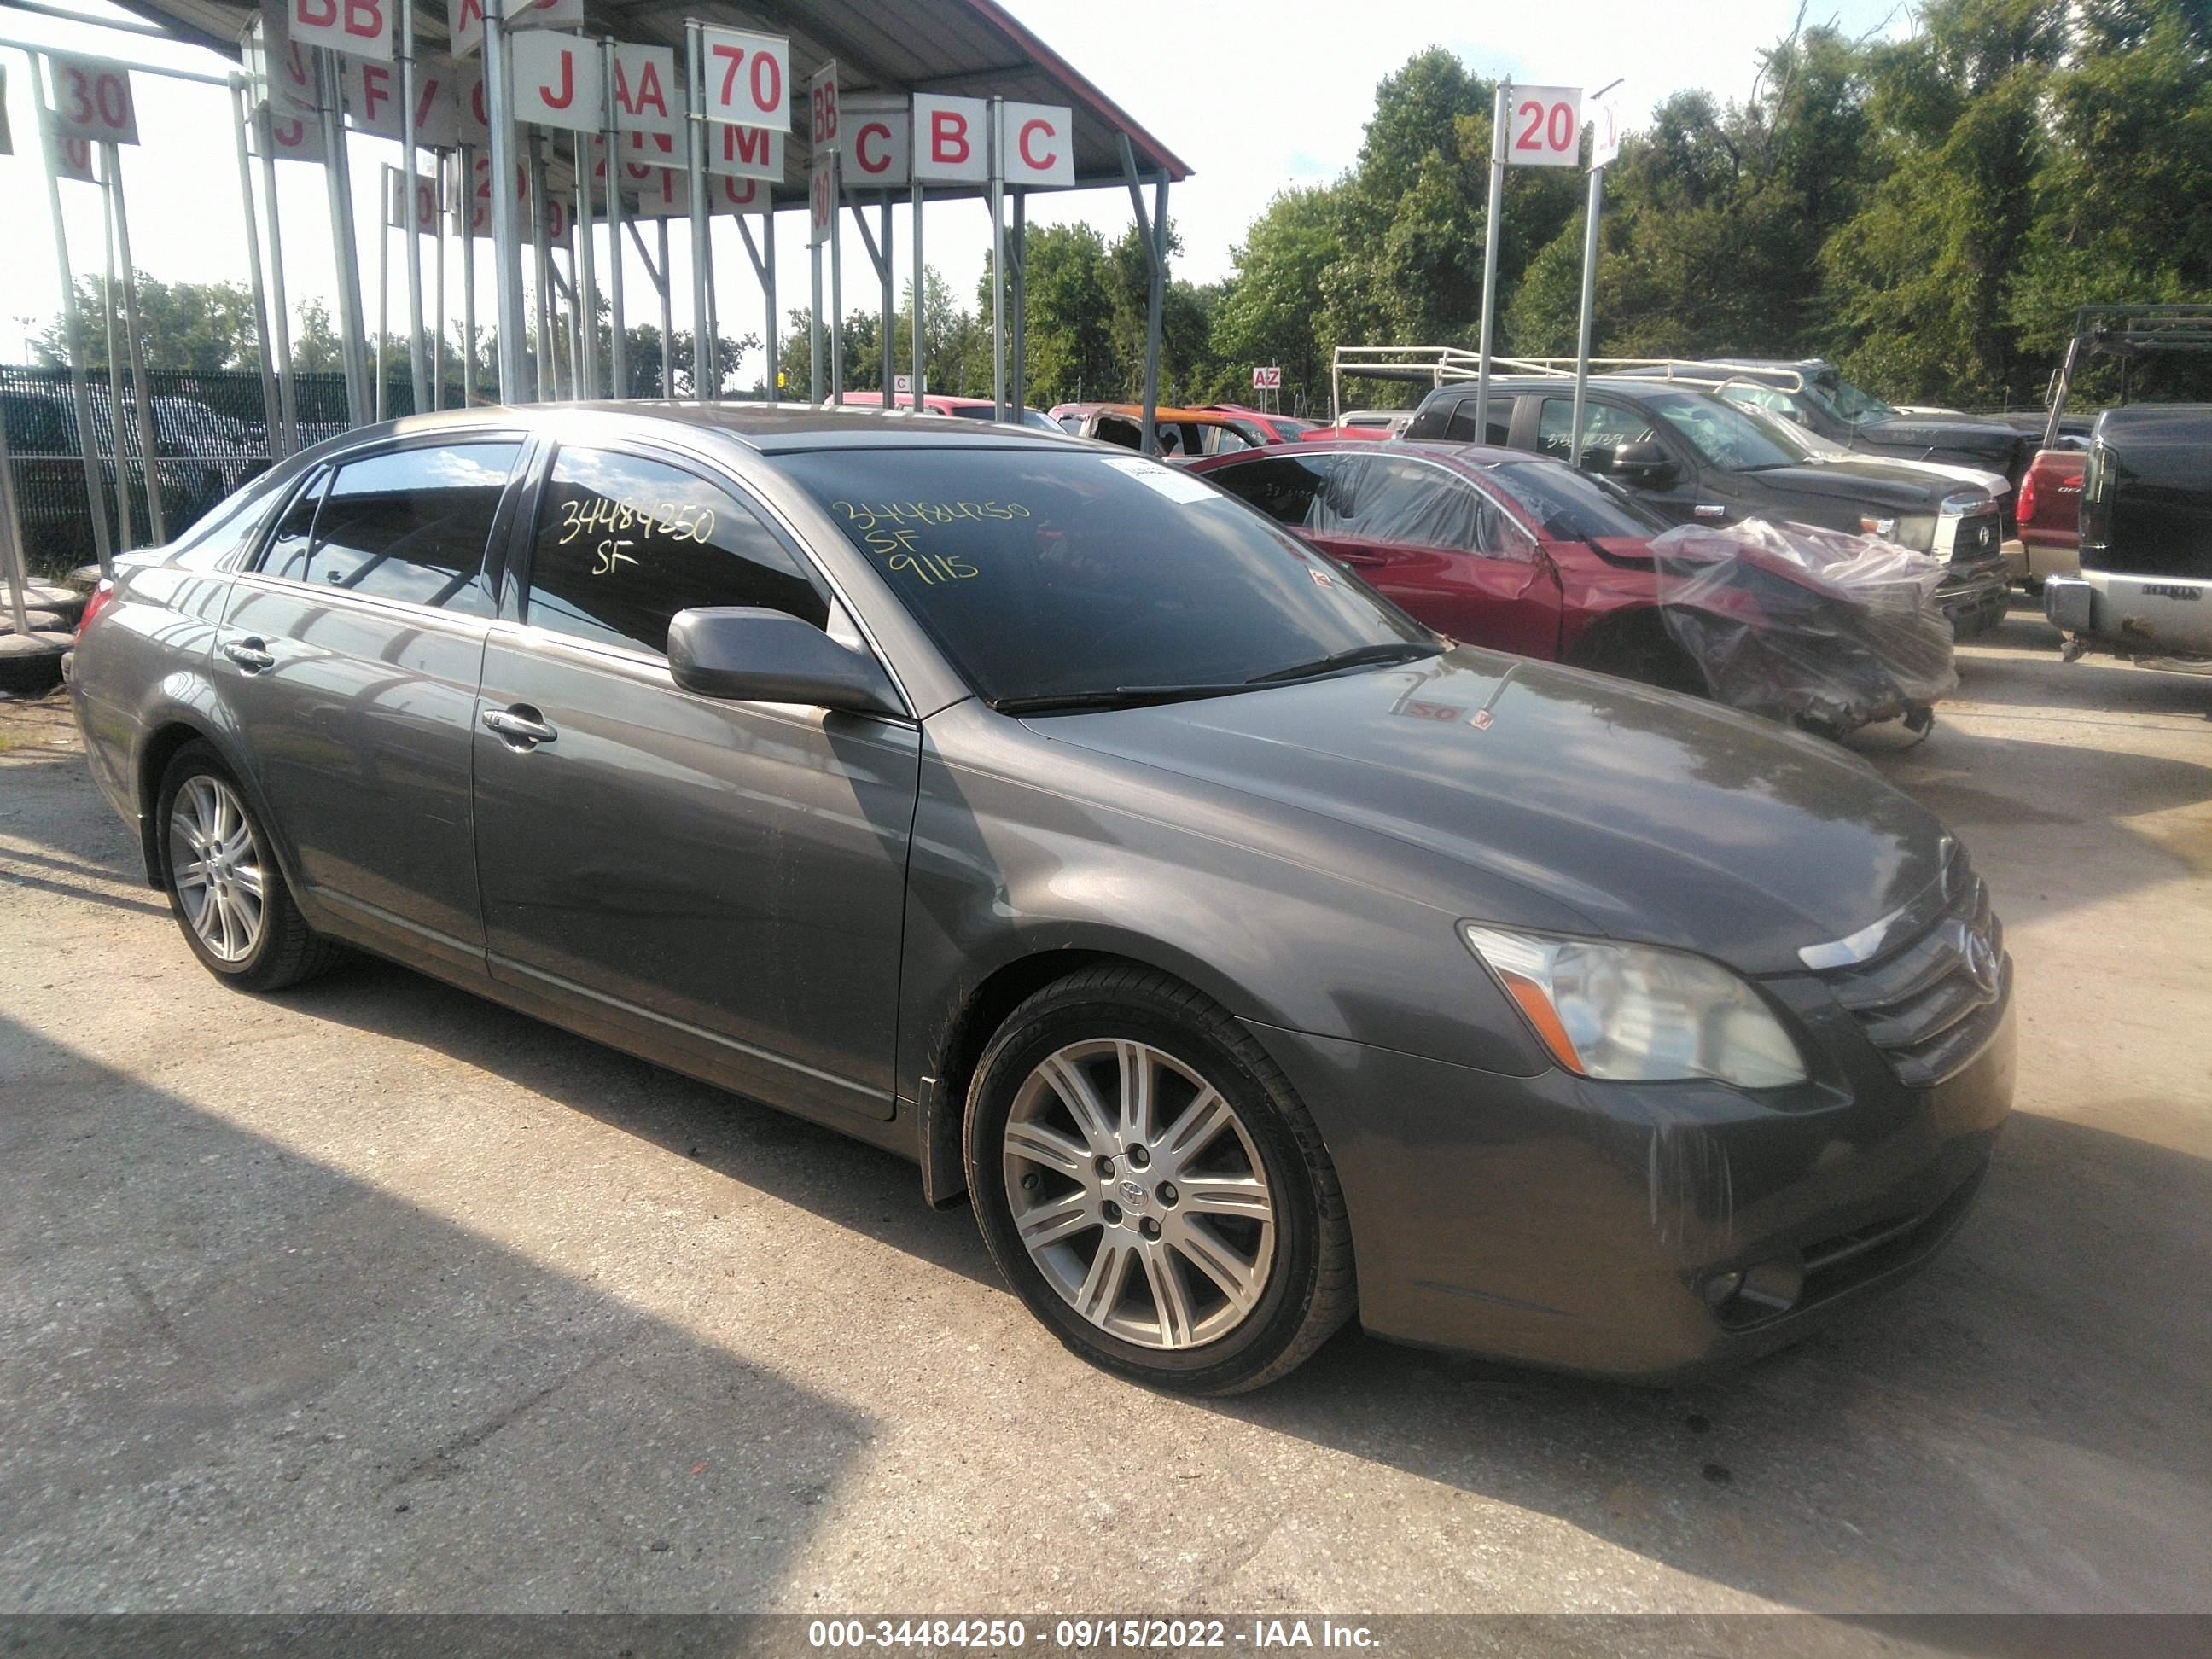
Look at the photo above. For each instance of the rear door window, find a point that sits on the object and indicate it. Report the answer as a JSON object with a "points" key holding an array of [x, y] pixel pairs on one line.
{"points": [[625, 543], [1288, 489], [1460, 428], [1414, 504], [286, 556], [411, 524]]}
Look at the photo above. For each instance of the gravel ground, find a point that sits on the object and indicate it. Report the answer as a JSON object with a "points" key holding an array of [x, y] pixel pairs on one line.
{"points": [[376, 1297]]}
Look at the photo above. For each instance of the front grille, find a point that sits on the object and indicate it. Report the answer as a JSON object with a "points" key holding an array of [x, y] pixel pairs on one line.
{"points": [[1930, 1003], [1978, 537]]}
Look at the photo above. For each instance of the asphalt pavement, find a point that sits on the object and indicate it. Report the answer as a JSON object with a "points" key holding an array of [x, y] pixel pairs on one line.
{"points": [[376, 1296]]}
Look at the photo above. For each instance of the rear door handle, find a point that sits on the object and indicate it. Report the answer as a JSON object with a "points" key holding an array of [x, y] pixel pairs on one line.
{"points": [[251, 655], [1709, 510], [521, 726]]}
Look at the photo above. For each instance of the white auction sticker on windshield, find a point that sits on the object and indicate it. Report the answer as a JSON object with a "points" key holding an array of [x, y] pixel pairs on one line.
{"points": [[1175, 486]]}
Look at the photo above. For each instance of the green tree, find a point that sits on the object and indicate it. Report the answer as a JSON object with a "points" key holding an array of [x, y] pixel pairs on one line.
{"points": [[199, 326], [1271, 311]]}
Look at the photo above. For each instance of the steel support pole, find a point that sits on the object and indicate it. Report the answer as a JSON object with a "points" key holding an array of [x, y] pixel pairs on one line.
{"points": [[706, 357], [836, 280], [587, 277], [272, 412], [814, 310], [410, 236], [344, 247], [920, 355], [768, 289], [1589, 298], [505, 227], [383, 302], [1155, 310], [1500, 120], [72, 333], [667, 318], [120, 479], [465, 198], [279, 317], [549, 389], [619, 338], [15, 568], [438, 333], [1018, 262], [996, 194], [141, 392], [890, 346]]}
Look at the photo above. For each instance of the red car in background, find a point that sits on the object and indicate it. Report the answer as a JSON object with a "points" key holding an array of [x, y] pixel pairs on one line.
{"points": [[972, 408], [1261, 426], [1496, 547], [2049, 506]]}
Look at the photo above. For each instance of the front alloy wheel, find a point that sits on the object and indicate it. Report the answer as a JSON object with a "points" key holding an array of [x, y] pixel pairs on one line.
{"points": [[1138, 1193], [1152, 1187], [216, 867]]}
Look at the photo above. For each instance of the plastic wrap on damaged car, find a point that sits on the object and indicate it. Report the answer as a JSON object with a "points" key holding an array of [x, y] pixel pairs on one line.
{"points": [[1827, 629]]}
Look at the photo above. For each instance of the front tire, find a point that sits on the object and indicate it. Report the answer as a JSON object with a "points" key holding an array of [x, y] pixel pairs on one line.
{"points": [[1147, 1180], [225, 889]]}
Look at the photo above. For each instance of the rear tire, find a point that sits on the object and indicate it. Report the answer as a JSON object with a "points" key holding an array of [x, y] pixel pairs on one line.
{"points": [[225, 889], [1151, 1185]]}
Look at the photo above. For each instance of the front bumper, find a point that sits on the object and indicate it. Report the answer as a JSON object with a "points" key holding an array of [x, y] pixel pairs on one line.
{"points": [[1590, 1227], [1975, 597]]}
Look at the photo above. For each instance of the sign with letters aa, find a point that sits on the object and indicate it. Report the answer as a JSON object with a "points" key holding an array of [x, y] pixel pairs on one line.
{"points": [[362, 27], [1036, 147], [557, 81], [952, 142], [646, 91]]}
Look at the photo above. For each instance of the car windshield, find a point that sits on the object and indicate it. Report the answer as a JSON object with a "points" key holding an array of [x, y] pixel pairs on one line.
{"points": [[1045, 574], [1031, 417], [1720, 431], [1803, 444], [1572, 506], [1848, 401]]}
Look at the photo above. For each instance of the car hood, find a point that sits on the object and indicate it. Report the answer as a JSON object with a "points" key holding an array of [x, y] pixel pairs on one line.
{"points": [[1650, 816], [1867, 483], [1962, 435]]}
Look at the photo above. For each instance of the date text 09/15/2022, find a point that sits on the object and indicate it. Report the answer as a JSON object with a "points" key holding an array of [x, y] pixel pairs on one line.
{"points": [[1089, 1635]]}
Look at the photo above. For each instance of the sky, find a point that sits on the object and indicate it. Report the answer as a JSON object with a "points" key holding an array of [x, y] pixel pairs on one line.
{"points": [[1254, 95]]}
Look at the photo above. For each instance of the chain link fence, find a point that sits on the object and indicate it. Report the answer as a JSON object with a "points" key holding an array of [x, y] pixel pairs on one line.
{"points": [[210, 436]]}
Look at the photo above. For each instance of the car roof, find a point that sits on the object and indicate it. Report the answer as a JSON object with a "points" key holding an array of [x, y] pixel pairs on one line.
{"points": [[765, 428], [1461, 391]]}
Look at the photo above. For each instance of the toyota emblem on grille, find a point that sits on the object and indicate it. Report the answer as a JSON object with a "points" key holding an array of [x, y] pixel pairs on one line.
{"points": [[1982, 962]]}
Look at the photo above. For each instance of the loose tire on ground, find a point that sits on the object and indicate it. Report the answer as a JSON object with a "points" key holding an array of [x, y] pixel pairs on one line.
{"points": [[1259, 1206], [216, 861]]}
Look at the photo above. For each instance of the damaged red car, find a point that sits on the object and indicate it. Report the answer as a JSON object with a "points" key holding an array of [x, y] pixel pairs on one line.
{"points": [[1493, 546]]}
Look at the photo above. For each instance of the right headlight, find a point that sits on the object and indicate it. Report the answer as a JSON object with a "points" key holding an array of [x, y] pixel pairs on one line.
{"points": [[1636, 1011]]}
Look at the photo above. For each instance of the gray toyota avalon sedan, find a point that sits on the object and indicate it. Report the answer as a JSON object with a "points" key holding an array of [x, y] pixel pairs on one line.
{"points": [[1251, 956]]}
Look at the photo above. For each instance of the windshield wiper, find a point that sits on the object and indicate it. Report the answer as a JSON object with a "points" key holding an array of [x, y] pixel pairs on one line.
{"points": [[1121, 696], [1358, 656]]}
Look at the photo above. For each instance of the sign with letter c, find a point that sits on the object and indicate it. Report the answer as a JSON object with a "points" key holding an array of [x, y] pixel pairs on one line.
{"points": [[878, 153], [1036, 147]]}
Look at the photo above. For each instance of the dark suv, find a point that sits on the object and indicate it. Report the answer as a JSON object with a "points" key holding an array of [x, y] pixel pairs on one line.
{"points": [[1697, 459]]}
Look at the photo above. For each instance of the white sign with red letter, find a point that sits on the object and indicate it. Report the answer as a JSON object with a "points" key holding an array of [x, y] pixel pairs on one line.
{"points": [[464, 18], [738, 196], [748, 78], [822, 107], [645, 80], [92, 99], [950, 143], [557, 81], [1545, 129], [426, 201], [1037, 149], [821, 199], [72, 156], [1606, 129], [1268, 380], [745, 152], [878, 152], [375, 105], [362, 27]]}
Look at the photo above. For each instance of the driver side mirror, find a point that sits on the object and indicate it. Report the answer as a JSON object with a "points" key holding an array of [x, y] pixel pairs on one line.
{"points": [[1643, 463], [744, 653]]}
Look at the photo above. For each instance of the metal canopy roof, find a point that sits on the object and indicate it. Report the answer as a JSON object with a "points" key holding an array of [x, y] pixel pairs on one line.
{"points": [[970, 47]]}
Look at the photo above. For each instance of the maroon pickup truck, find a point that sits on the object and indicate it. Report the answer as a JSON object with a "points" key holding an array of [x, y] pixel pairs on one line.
{"points": [[2049, 511]]}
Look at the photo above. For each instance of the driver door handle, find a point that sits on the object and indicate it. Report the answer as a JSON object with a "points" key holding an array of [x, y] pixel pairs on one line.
{"points": [[521, 726], [1709, 510], [251, 655]]}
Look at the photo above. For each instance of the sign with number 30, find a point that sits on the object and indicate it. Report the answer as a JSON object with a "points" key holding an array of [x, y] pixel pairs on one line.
{"points": [[92, 99]]}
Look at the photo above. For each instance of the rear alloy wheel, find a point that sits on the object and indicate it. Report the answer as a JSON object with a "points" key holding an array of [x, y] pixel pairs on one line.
{"points": [[1152, 1187], [224, 886]]}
